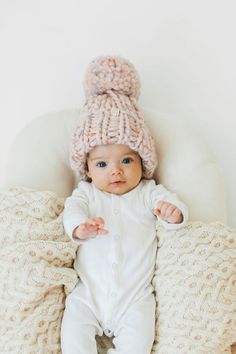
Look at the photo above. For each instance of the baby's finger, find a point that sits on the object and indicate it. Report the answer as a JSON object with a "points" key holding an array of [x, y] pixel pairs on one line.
{"points": [[160, 208], [91, 221], [177, 214], [92, 228], [98, 232], [163, 206], [156, 212], [95, 230], [160, 204], [175, 217], [81, 232], [170, 210], [99, 221], [102, 232], [96, 221], [86, 229]]}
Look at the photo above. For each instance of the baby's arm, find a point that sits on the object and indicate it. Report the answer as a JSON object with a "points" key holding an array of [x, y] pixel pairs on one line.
{"points": [[76, 219]]}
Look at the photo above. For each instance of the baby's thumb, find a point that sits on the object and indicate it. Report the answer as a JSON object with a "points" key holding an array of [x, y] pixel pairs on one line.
{"points": [[157, 212]]}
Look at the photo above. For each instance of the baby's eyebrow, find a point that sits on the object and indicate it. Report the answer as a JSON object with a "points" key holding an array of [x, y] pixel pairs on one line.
{"points": [[97, 158], [126, 154], [131, 153]]}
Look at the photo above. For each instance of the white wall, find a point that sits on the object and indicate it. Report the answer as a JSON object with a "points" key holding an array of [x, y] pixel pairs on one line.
{"points": [[184, 51]]}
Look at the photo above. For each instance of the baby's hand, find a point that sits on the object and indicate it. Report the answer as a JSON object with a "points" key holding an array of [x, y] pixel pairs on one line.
{"points": [[91, 228], [168, 212]]}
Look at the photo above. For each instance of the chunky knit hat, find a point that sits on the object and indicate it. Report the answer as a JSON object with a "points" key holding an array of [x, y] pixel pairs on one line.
{"points": [[111, 115]]}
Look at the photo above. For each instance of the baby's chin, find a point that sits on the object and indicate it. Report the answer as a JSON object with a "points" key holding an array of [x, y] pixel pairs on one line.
{"points": [[117, 188]]}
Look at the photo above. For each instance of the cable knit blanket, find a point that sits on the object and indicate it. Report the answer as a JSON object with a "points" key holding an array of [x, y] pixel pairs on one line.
{"points": [[195, 284], [35, 261], [195, 281]]}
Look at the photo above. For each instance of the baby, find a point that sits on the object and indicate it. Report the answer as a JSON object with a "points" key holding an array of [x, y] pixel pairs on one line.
{"points": [[112, 216]]}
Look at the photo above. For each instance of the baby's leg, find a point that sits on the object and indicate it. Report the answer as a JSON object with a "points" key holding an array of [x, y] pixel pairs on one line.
{"points": [[136, 331], [79, 328]]}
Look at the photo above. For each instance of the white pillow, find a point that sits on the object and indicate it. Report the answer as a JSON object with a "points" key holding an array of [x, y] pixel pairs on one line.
{"points": [[39, 156], [39, 159]]}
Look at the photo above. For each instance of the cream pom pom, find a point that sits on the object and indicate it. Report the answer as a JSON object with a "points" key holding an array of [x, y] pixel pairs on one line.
{"points": [[111, 73]]}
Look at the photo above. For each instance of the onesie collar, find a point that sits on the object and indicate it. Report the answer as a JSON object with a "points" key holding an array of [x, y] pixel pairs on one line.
{"points": [[126, 195]]}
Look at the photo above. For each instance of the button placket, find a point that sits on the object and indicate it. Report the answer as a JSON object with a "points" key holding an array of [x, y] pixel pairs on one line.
{"points": [[115, 239], [116, 211], [114, 266], [108, 332], [113, 260]]}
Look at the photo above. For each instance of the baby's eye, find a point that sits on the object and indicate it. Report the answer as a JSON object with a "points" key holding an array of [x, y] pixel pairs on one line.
{"points": [[101, 164], [127, 160]]}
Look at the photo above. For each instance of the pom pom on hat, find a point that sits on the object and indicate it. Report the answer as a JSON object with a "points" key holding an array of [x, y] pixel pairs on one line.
{"points": [[111, 115], [111, 73]]}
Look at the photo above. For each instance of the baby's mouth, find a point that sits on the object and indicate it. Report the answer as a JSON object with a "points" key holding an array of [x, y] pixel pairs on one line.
{"points": [[117, 183]]}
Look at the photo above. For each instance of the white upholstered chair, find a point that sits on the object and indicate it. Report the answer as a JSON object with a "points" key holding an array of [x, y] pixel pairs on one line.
{"points": [[39, 160]]}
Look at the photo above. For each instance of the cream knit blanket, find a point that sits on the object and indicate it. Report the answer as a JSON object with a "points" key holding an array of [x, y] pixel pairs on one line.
{"points": [[195, 284], [195, 281], [35, 271]]}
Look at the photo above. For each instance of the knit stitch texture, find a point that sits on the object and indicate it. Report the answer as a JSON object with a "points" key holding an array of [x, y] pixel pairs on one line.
{"points": [[111, 115], [195, 284], [195, 281]]}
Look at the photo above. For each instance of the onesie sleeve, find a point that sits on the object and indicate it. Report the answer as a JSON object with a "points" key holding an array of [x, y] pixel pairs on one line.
{"points": [[159, 193], [76, 208]]}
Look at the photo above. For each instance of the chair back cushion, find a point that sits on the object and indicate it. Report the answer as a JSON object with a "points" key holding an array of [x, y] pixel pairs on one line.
{"points": [[39, 159]]}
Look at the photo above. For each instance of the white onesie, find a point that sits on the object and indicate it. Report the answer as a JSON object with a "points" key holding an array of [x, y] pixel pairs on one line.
{"points": [[115, 270]]}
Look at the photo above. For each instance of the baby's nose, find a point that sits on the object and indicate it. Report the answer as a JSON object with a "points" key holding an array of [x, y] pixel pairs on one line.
{"points": [[116, 169]]}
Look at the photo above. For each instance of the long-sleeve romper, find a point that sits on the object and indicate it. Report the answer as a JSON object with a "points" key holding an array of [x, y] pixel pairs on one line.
{"points": [[114, 294]]}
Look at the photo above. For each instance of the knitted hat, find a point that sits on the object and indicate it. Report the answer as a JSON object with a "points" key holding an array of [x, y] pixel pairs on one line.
{"points": [[111, 115]]}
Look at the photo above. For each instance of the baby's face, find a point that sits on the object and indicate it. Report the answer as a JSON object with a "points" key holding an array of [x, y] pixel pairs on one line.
{"points": [[114, 168]]}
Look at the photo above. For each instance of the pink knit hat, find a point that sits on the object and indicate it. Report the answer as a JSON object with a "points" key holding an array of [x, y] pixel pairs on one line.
{"points": [[111, 115]]}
